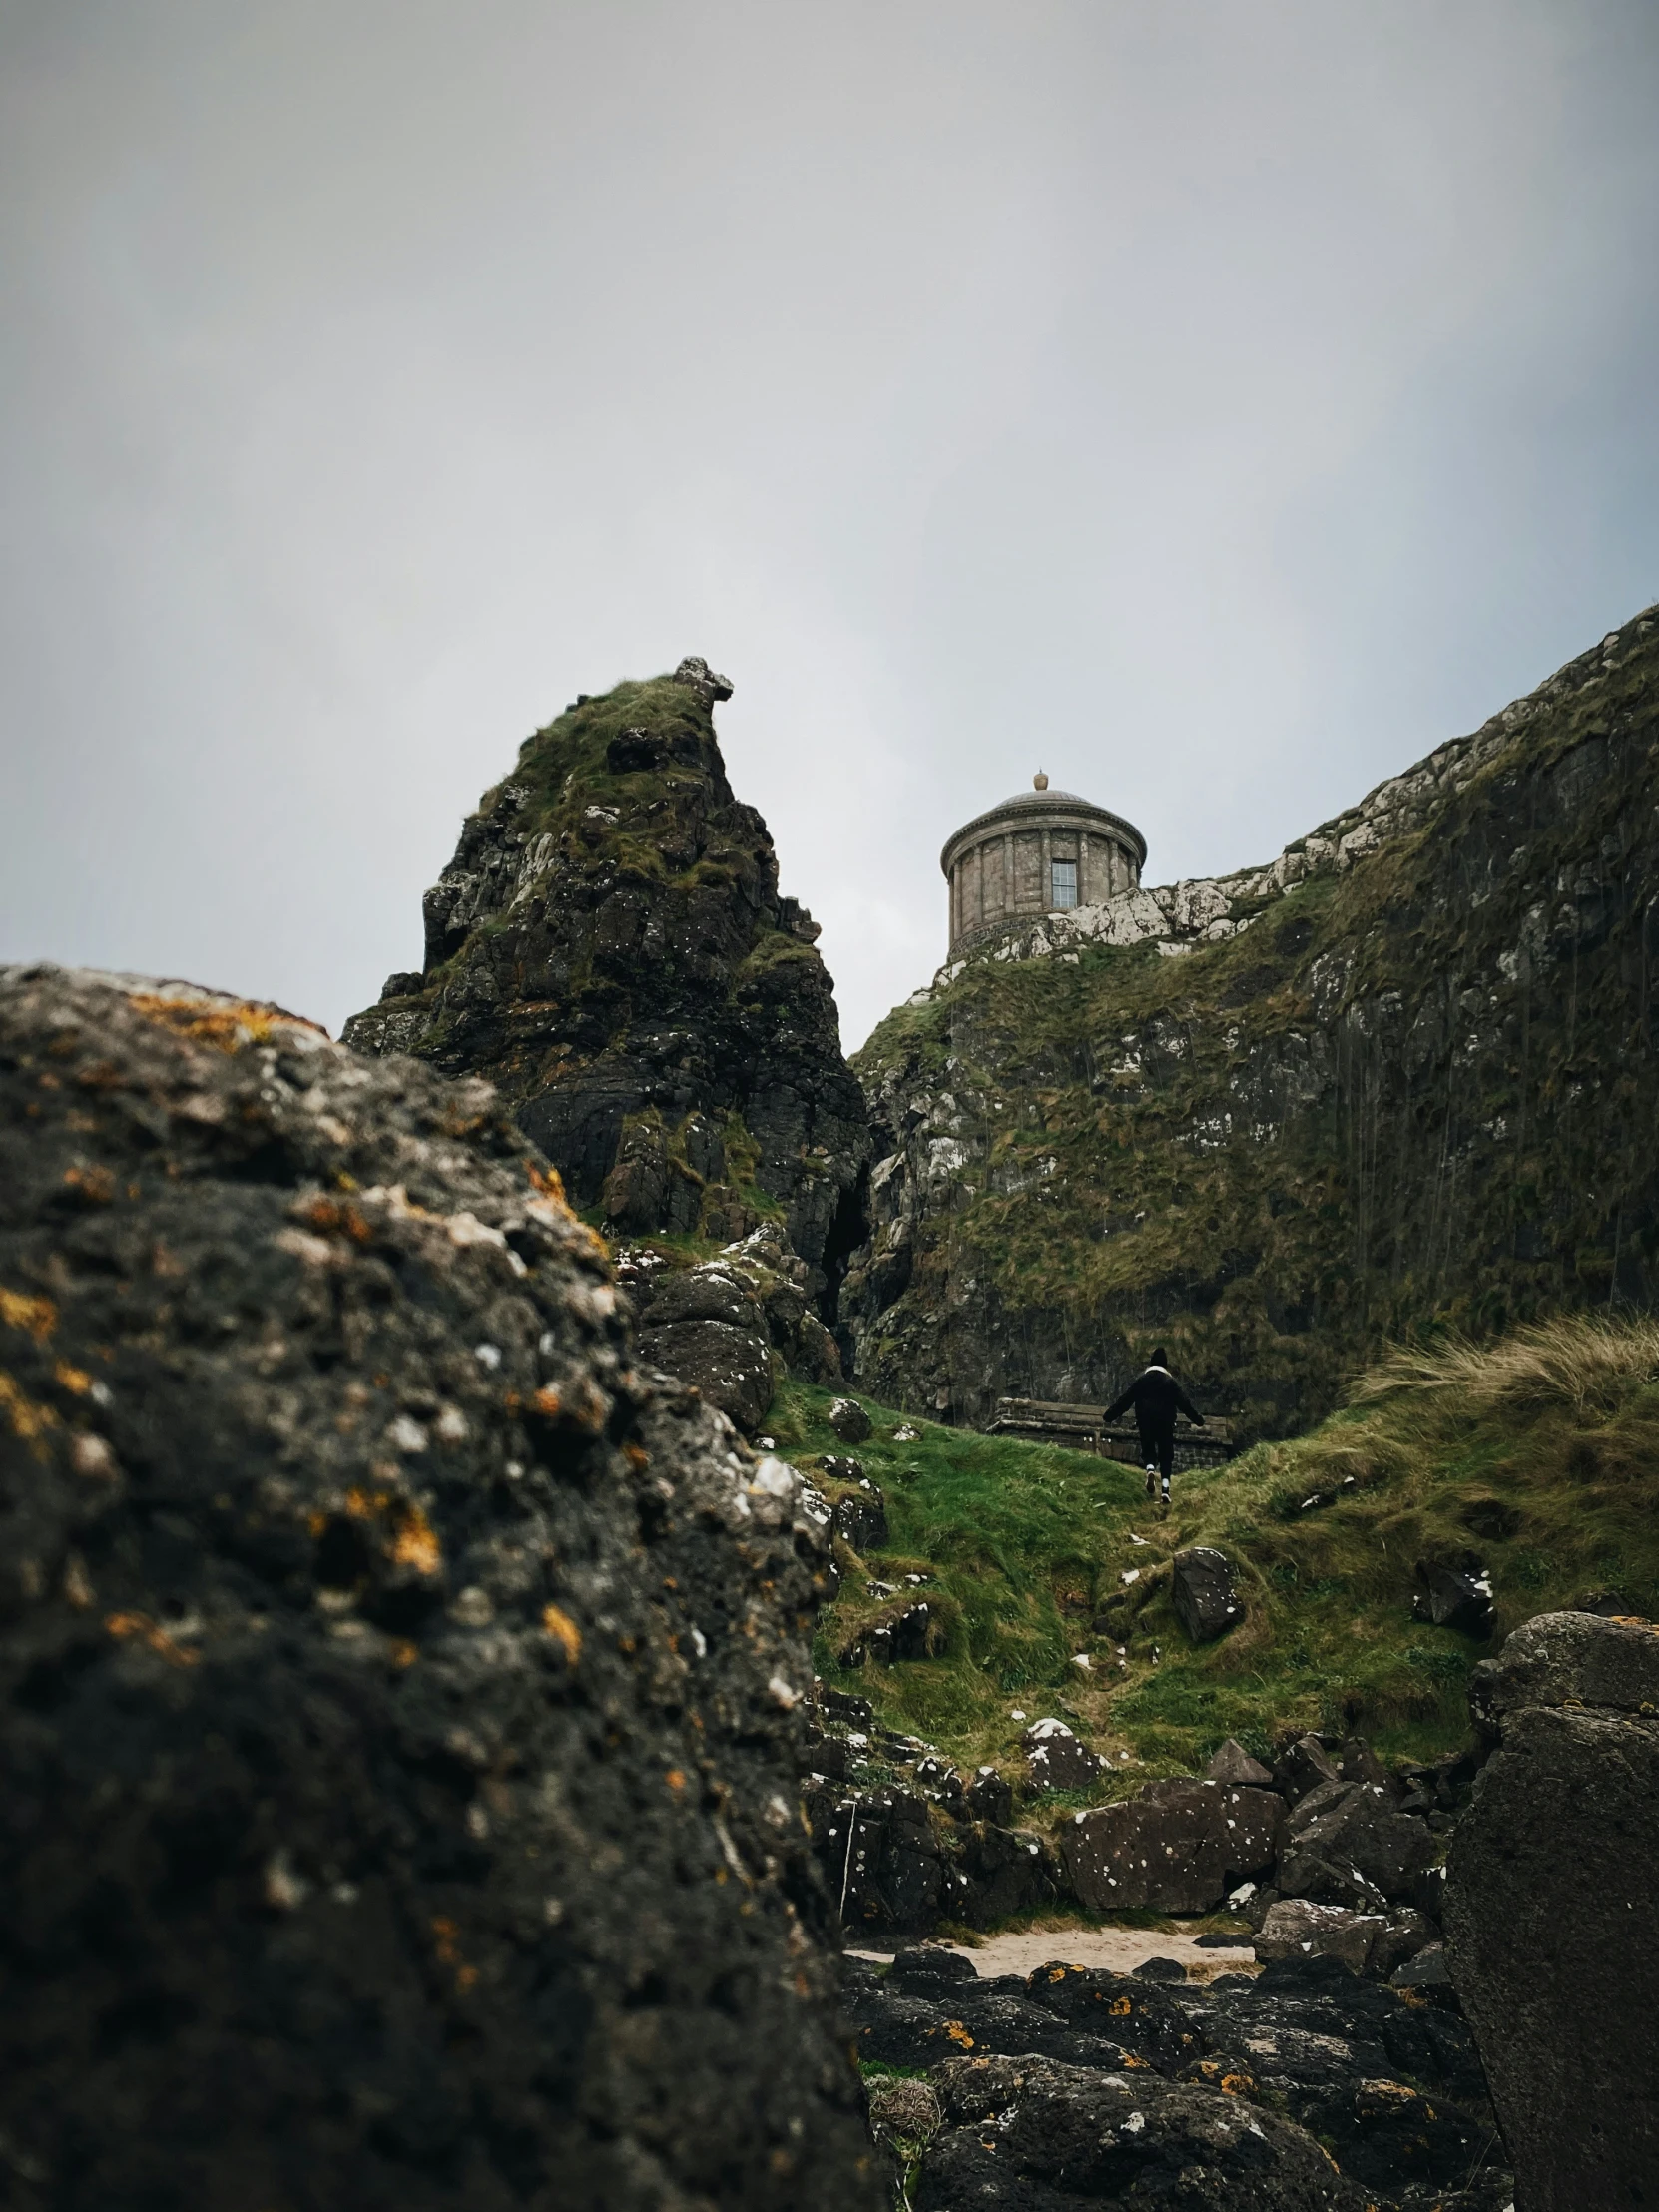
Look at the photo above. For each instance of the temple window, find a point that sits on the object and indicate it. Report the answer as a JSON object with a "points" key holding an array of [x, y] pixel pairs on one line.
{"points": [[1063, 886]]}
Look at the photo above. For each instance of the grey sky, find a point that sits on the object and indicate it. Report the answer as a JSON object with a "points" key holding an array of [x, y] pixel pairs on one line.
{"points": [[1215, 404]]}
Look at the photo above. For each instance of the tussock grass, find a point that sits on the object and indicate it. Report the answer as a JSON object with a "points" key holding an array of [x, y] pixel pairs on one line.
{"points": [[1536, 1453], [1573, 1360]]}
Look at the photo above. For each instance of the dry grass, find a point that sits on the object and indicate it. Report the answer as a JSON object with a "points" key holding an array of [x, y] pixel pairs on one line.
{"points": [[1590, 1363]]}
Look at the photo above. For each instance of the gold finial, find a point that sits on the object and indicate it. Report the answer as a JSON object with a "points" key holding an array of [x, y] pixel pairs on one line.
{"points": [[1039, 781]]}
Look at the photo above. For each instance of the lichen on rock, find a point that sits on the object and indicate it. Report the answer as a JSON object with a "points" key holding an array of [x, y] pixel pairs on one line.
{"points": [[402, 1696]]}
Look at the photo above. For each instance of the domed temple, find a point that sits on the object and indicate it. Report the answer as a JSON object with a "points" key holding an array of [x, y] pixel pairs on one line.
{"points": [[1037, 854]]}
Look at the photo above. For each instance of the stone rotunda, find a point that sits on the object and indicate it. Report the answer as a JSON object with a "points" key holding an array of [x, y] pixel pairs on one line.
{"points": [[1037, 854]]}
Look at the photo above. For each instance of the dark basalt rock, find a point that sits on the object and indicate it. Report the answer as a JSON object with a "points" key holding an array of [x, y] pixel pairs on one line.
{"points": [[1458, 1597], [1262, 2067], [1177, 1848], [1345, 1844], [609, 947], [850, 1421], [1030, 2134], [1231, 1763], [1551, 1916], [862, 1515], [1056, 1760], [1300, 1766], [400, 1699], [1206, 1603]]}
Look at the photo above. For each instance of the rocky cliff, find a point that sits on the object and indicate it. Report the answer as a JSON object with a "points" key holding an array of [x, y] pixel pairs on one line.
{"points": [[402, 1694], [609, 947], [1407, 1075]]}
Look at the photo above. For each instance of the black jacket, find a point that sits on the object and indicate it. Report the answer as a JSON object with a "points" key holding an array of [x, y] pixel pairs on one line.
{"points": [[1157, 1397]]}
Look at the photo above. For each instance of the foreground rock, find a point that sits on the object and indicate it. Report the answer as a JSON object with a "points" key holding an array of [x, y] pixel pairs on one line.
{"points": [[1074, 2086], [401, 1702], [609, 946], [1551, 1916]]}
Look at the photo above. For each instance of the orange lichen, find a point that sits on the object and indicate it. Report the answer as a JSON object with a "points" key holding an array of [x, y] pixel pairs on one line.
{"points": [[958, 2035], [1120, 2006], [226, 1028], [27, 1420], [75, 1379], [414, 1543], [123, 1626], [37, 1315], [327, 1217], [563, 1631], [676, 1781], [95, 1184]]}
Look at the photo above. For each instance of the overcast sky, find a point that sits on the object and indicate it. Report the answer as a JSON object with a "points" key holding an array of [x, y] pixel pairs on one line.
{"points": [[1215, 404]]}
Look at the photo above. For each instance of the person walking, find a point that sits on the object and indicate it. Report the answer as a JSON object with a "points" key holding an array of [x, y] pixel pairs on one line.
{"points": [[1157, 1397]]}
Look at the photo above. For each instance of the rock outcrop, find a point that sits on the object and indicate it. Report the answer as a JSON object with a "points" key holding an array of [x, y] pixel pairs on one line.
{"points": [[1553, 1921], [1069, 2086], [402, 1699], [1407, 1072], [610, 949]]}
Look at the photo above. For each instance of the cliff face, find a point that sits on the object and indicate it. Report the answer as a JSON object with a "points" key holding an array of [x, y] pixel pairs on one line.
{"points": [[609, 947], [1407, 1075]]}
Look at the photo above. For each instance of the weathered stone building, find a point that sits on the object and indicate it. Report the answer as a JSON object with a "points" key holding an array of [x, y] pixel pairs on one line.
{"points": [[1040, 851]]}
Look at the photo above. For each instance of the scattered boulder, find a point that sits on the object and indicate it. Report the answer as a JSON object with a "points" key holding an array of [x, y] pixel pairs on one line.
{"points": [[1301, 1765], [991, 1797], [1551, 1914], [1458, 1597], [905, 1633], [860, 1516], [378, 1748], [1055, 1760], [850, 1421], [1206, 1601], [1610, 1604], [731, 1368], [1295, 1926], [1159, 1969], [1366, 1942], [1345, 1844], [1174, 1848], [1427, 1972], [1233, 1764]]}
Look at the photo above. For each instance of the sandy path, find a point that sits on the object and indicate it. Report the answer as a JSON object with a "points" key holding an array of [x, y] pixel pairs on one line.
{"points": [[1121, 1949]]}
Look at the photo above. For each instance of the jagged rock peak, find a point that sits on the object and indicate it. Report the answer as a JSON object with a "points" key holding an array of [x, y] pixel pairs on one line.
{"points": [[695, 671], [610, 947]]}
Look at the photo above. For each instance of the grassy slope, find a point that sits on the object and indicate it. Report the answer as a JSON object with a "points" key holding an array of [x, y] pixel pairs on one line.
{"points": [[1540, 1452]]}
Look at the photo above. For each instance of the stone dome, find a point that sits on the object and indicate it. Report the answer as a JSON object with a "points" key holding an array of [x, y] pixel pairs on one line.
{"points": [[1039, 852]]}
